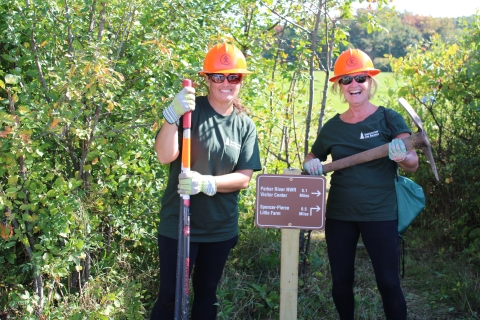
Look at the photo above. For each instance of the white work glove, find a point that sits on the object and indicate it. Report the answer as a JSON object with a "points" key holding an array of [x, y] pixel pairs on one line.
{"points": [[183, 102], [193, 182], [313, 167], [397, 150]]}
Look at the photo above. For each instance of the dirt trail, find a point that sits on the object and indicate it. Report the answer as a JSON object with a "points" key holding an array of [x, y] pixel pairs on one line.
{"points": [[418, 304]]}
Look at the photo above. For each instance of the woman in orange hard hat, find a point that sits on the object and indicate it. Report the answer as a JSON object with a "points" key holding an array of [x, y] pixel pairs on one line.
{"points": [[224, 155], [362, 199]]}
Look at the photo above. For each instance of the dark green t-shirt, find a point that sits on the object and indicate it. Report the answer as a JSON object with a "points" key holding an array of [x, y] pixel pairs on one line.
{"points": [[366, 191], [219, 145]]}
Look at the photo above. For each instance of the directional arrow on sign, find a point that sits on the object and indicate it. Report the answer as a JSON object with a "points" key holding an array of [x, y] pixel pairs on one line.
{"points": [[318, 193], [317, 208]]}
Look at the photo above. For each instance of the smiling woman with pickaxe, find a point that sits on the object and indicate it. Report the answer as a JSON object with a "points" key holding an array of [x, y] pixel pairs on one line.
{"points": [[362, 198]]}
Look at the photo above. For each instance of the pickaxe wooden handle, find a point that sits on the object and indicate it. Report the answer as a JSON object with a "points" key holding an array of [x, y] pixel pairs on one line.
{"points": [[418, 140]]}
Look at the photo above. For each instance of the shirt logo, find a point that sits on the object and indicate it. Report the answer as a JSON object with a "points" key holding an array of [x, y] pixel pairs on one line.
{"points": [[369, 135], [233, 144]]}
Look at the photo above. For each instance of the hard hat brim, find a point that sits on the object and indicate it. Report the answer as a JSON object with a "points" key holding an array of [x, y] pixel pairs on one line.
{"points": [[242, 71]]}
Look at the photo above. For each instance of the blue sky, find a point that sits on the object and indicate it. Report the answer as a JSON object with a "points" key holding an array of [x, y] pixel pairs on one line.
{"points": [[437, 8]]}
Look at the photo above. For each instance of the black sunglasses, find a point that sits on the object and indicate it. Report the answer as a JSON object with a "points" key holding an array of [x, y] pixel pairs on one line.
{"points": [[233, 78], [361, 78]]}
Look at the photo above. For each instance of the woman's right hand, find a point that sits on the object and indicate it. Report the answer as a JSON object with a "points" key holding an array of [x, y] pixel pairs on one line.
{"points": [[314, 167], [183, 102]]}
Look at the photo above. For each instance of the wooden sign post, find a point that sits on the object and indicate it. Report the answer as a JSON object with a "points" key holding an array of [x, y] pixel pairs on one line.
{"points": [[289, 274], [290, 202], [289, 269]]}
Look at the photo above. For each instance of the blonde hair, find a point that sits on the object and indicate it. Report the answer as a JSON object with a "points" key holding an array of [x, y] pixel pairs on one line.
{"points": [[335, 88]]}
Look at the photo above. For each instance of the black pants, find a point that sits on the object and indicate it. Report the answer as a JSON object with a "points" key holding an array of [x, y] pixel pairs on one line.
{"points": [[381, 241], [207, 259]]}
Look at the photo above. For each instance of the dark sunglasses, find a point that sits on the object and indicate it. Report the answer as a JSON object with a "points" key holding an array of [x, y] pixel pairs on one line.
{"points": [[361, 78], [233, 78]]}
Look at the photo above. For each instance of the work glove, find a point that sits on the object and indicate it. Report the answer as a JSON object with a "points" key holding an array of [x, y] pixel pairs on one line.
{"points": [[183, 102], [397, 150], [313, 167], [193, 182]]}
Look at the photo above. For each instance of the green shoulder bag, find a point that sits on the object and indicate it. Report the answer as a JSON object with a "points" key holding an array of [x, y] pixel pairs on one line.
{"points": [[410, 201]]}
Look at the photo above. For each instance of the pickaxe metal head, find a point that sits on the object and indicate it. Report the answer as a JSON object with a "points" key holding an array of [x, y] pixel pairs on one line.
{"points": [[426, 146]]}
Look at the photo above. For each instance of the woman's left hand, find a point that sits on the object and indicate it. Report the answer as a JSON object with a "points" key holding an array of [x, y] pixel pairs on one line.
{"points": [[397, 150], [193, 182]]}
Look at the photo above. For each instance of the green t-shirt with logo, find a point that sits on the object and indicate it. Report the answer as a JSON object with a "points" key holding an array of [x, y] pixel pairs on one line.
{"points": [[366, 191], [219, 145]]}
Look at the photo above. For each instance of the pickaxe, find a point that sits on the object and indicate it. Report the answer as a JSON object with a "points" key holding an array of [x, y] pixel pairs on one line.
{"points": [[418, 140]]}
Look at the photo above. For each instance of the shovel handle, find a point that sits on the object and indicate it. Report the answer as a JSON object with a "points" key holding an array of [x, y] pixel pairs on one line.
{"points": [[187, 117]]}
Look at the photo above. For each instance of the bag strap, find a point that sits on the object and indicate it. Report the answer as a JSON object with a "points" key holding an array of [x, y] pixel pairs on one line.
{"points": [[401, 256], [401, 249], [391, 137]]}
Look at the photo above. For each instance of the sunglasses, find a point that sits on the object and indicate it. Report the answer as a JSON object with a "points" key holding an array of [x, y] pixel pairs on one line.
{"points": [[361, 78], [233, 78]]}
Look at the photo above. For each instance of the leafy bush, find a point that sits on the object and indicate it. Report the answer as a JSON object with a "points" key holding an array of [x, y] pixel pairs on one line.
{"points": [[443, 81]]}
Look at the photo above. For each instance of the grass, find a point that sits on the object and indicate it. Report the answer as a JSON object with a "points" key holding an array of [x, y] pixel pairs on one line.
{"points": [[442, 283], [439, 283], [435, 284]]}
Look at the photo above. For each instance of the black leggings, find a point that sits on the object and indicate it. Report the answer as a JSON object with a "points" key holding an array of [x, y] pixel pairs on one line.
{"points": [[381, 241], [207, 260]]}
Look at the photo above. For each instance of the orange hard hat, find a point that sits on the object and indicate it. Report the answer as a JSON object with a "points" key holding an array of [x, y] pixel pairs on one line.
{"points": [[353, 61], [224, 58]]}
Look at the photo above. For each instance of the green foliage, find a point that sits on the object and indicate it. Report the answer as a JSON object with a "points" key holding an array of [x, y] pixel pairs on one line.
{"points": [[397, 33], [393, 40], [442, 80], [449, 281], [82, 87]]}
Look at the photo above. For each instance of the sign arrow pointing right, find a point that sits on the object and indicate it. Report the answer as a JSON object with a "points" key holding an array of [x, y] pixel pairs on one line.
{"points": [[317, 208]]}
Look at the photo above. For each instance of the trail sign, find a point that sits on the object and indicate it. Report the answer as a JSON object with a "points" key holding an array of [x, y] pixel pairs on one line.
{"points": [[290, 201]]}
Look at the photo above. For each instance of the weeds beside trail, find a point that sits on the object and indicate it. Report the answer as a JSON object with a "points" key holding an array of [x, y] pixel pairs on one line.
{"points": [[439, 283], [436, 285]]}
